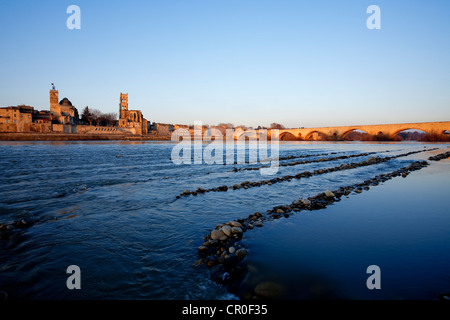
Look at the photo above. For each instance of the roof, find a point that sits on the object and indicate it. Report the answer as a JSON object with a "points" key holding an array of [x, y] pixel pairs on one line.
{"points": [[65, 102]]}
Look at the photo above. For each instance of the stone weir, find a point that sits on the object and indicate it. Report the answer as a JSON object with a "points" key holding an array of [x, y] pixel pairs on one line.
{"points": [[225, 255]]}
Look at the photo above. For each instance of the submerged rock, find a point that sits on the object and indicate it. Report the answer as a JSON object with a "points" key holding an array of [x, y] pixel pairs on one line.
{"points": [[269, 290], [258, 223]]}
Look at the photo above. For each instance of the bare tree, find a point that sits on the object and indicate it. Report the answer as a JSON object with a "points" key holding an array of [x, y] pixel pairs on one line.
{"points": [[226, 125], [96, 117], [107, 119], [275, 125]]}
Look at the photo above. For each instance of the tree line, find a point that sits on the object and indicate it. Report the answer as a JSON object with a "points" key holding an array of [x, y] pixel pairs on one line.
{"points": [[95, 117]]}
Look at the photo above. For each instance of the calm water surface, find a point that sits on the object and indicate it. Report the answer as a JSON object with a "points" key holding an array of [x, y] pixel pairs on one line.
{"points": [[111, 209]]}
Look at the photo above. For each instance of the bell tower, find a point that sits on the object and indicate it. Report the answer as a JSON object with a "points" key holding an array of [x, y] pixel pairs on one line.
{"points": [[123, 106], [54, 98]]}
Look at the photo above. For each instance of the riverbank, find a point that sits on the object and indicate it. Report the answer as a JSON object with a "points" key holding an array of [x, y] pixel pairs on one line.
{"points": [[80, 137]]}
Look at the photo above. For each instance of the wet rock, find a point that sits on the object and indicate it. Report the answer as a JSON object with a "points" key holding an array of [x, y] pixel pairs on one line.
{"points": [[329, 194], [236, 230], [280, 211], [217, 234], [258, 223], [203, 249], [211, 263], [214, 242], [235, 224], [306, 202], [241, 253], [231, 250], [338, 194], [318, 205], [227, 230], [26, 222], [269, 290]]}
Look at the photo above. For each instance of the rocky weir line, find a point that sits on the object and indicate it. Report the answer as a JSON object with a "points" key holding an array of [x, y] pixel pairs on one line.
{"points": [[304, 174], [295, 163], [5, 228], [224, 254], [440, 156]]}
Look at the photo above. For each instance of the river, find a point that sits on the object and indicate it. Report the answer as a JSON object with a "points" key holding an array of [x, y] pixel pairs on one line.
{"points": [[112, 209]]}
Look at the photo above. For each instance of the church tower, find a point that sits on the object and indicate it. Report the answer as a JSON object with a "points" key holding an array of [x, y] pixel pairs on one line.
{"points": [[54, 98], [123, 106]]}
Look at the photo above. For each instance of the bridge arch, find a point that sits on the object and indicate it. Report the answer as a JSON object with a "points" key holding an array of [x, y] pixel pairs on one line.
{"points": [[316, 135], [287, 136], [411, 136], [347, 132], [251, 134], [396, 132]]}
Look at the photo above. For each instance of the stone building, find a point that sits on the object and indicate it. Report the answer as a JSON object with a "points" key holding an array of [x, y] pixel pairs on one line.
{"points": [[131, 120], [24, 119], [16, 119], [63, 112]]}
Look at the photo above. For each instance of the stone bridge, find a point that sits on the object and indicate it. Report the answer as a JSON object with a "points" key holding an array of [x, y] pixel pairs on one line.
{"points": [[389, 130]]}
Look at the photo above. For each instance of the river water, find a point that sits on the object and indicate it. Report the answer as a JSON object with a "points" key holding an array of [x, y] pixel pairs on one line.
{"points": [[111, 208]]}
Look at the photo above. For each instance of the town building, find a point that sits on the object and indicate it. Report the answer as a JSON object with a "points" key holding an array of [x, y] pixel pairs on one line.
{"points": [[63, 117], [131, 120], [23, 119], [63, 112]]}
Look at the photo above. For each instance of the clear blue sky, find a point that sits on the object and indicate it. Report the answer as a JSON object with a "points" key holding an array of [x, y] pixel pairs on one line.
{"points": [[252, 62]]}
